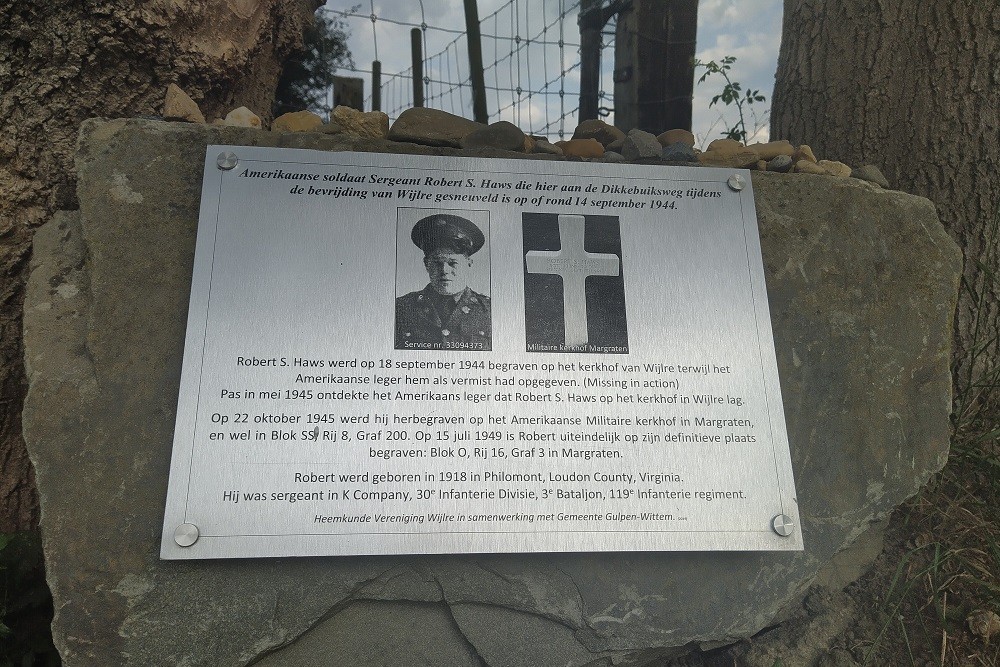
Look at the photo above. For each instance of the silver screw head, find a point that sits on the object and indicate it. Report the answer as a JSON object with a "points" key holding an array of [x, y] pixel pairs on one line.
{"points": [[737, 182], [186, 534], [227, 160], [782, 525]]}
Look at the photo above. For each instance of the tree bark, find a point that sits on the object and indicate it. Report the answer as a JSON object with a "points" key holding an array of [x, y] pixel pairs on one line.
{"points": [[914, 88], [62, 61]]}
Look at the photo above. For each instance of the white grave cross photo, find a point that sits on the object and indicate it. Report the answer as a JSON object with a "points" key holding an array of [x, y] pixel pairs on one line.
{"points": [[573, 264]]}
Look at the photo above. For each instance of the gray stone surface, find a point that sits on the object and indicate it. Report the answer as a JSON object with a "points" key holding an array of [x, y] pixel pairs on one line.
{"points": [[392, 634], [546, 147], [432, 127], [862, 284], [616, 145], [872, 174], [804, 640], [780, 163], [641, 145], [502, 135], [598, 129], [679, 152]]}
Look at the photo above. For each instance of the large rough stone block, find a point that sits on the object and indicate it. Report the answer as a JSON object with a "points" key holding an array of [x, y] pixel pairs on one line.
{"points": [[862, 285]]}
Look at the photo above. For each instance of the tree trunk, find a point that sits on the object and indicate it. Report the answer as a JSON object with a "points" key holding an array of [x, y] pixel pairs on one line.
{"points": [[914, 88], [62, 61]]}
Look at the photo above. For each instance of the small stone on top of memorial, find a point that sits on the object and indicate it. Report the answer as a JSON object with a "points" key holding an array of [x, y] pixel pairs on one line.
{"points": [[808, 167], [773, 149], [178, 105], [640, 145], [725, 145], [834, 168], [599, 130], [803, 152], [432, 127], [742, 158], [331, 128], [502, 134], [616, 145], [612, 157], [679, 151], [296, 121], [542, 146], [585, 148], [242, 117], [780, 163], [366, 125], [676, 136], [872, 174]]}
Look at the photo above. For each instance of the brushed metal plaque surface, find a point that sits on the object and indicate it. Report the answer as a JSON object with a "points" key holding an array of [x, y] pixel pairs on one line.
{"points": [[395, 354]]}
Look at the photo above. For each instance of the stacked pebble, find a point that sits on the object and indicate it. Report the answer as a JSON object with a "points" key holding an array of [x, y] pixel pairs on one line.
{"points": [[593, 140]]}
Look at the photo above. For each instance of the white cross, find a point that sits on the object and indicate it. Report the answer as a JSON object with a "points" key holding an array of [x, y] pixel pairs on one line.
{"points": [[573, 264]]}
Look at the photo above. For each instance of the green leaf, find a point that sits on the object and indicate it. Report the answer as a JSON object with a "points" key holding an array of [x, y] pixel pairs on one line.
{"points": [[308, 74]]}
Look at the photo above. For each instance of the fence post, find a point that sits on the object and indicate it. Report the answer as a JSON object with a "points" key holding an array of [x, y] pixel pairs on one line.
{"points": [[591, 23], [376, 85], [654, 65], [682, 30], [418, 68], [476, 76], [348, 92]]}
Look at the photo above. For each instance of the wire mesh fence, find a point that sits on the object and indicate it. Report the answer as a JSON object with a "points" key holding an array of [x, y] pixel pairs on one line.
{"points": [[530, 54]]}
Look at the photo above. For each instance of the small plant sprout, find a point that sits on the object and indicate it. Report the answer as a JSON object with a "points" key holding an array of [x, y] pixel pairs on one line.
{"points": [[732, 94]]}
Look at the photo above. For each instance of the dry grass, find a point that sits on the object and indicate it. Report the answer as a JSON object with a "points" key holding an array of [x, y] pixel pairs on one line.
{"points": [[941, 568], [938, 604]]}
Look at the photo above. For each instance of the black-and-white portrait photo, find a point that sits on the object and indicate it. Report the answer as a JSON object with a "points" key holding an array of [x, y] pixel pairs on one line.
{"points": [[443, 280], [574, 284]]}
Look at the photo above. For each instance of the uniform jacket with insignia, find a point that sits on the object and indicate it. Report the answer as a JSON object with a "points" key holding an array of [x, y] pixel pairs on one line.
{"points": [[419, 324]]}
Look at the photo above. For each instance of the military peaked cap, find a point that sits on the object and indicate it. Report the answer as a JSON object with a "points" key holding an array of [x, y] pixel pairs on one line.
{"points": [[451, 232]]}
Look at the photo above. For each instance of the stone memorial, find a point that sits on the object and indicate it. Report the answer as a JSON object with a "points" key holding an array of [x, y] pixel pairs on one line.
{"points": [[861, 283], [427, 354]]}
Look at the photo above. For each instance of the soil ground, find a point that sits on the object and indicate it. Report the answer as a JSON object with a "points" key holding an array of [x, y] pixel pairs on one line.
{"points": [[933, 596]]}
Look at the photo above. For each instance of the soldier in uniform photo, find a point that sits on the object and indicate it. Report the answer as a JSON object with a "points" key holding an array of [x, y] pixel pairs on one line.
{"points": [[446, 313]]}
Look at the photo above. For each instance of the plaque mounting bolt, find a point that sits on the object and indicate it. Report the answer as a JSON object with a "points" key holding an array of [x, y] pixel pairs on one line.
{"points": [[227, 161], [736, 182], [782, 525], [186, 534]]}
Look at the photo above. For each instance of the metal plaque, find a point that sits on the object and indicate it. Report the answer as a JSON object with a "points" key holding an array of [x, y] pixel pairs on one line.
{"points": [[396, 354]]}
